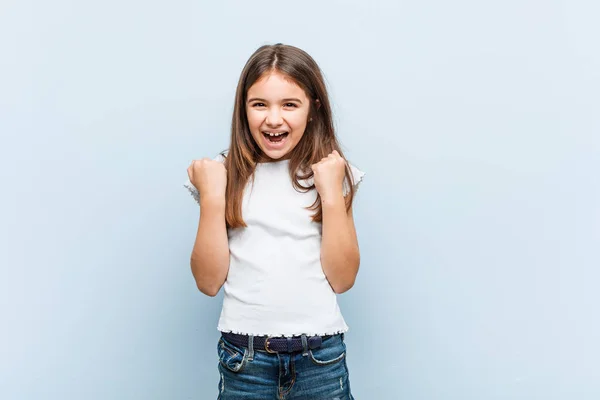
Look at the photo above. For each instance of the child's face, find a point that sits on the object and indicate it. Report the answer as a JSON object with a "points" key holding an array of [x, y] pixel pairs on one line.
{"points": [[277, 105]]}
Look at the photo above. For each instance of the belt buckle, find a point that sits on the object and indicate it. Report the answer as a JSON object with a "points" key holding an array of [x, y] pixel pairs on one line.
{"points": [[267, 345]]}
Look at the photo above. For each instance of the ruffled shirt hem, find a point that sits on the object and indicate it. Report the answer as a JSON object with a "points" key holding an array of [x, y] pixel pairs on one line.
{"points": [[326, 333]]}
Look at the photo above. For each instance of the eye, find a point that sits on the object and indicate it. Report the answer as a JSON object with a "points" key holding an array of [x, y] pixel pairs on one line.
{"points": [[292, 105], [258, 105]]}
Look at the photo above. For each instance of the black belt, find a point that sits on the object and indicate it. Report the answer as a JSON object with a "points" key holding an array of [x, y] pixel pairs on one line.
{"points": [[275, 344]]}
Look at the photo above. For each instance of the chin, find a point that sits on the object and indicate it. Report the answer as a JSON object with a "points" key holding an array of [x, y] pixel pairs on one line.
{"points": [[276, 154]]}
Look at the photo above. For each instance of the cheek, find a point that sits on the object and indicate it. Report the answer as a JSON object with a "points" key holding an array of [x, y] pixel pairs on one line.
{"points": [[254, 120], [299, 122]]}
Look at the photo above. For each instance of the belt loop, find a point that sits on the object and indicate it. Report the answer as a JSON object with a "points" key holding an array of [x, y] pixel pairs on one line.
{"points": [[304, 345], [250, 347]]}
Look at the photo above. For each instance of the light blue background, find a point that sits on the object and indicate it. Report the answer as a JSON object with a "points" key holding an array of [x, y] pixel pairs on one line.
{"points": [[479, 218]]}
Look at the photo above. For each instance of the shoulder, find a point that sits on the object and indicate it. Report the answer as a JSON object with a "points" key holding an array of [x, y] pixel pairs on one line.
{"points": [[356, 175], [190, 186], [222, 156]]}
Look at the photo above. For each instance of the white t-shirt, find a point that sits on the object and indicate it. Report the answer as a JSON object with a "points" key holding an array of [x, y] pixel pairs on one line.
{"points": [[276, 285]]}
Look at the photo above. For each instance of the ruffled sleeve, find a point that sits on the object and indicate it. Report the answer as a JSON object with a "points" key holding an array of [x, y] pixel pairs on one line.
{"points": [[357, 177], [190, 186]]}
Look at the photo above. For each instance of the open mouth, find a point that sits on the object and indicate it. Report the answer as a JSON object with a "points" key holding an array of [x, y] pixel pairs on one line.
{"points": [[275, 137]]}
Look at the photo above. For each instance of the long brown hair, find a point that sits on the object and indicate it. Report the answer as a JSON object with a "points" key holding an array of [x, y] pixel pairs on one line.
{"points": [[318, 141]]}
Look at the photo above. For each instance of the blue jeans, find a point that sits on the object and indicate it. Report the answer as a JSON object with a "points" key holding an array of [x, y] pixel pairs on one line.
{"points": [[319, 374]]}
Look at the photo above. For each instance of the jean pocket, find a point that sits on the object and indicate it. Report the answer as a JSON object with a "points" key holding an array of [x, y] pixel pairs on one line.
{"points": [[231, 357], [328, 353]]}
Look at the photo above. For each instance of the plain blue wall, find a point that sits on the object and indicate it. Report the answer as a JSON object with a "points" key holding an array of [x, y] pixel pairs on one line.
{"points": [[479, 218]]}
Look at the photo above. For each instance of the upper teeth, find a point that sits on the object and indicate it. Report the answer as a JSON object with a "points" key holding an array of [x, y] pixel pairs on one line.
{"points": [[275, 134]]}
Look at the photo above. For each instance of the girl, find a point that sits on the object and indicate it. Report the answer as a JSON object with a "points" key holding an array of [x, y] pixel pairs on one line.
{"points": [[276, 231]]}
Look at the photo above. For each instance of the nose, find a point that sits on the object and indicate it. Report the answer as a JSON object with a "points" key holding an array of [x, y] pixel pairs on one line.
{"points": [[274, 117]]}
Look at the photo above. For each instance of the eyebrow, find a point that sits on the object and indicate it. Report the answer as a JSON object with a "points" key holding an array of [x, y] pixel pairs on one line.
{"points": [[284, 100]]}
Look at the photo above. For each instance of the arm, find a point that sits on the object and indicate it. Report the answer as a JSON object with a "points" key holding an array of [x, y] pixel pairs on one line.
{"points": [[210, 255], [340, 256]]}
